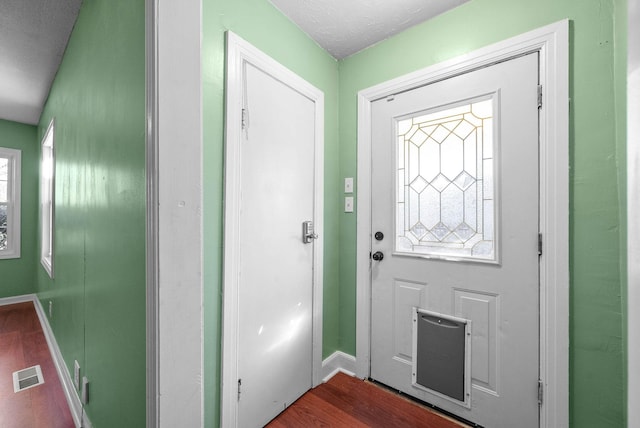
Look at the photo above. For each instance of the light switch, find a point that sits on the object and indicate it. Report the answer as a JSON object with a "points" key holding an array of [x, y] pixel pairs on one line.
{"points": [[348, 204], [348, 185]]}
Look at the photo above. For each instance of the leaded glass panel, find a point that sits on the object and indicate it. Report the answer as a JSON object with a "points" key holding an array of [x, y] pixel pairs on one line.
{"points": [[445, 191]]}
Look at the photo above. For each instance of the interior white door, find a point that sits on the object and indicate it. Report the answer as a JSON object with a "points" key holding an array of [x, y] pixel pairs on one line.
{"points": [[275, 266], [455, 195]]}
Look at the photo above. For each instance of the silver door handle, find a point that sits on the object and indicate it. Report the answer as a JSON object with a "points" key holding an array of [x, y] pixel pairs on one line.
{"points": [[308, 234]]}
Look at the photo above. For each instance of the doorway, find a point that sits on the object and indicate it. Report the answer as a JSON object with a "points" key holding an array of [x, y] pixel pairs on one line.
{"points": [[551, 44], [454, 304], [272, 337]]}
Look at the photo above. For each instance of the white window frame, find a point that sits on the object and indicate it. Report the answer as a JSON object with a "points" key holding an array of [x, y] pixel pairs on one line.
{"points": [[13, 202], [47, 198]]}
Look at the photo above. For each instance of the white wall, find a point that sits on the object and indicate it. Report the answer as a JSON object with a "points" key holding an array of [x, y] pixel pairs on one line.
{"points": [[633, 198]]}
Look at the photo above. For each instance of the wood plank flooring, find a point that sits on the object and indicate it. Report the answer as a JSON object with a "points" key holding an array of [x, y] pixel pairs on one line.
{"points": [[345, 401], [22, 345]]}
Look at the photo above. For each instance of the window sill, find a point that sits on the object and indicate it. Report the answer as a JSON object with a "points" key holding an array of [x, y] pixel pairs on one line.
{"points": [[9, 254]]}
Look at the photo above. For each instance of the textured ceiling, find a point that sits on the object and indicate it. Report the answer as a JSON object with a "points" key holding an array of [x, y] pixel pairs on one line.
{"points": [[33, 37], [344, 27], [34, 34]]}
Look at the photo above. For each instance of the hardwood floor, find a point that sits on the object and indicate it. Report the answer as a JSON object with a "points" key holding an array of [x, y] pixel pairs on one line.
{"points": [[22, 345], [346, 401]]}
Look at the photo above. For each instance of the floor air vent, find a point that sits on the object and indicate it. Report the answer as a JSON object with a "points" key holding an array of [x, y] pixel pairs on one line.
{"points": [[27, 378]]}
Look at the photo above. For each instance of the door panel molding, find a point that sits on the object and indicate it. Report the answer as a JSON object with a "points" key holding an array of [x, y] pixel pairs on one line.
{"points": [[240, 52], [552, 42]]}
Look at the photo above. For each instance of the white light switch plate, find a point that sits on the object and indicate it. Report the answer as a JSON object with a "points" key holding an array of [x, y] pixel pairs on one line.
{"points": [[348, 185], [348, 204]]}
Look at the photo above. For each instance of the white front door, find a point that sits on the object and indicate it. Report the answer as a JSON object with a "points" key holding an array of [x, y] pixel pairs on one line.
{"points": [[455, 199], [273, 189]]}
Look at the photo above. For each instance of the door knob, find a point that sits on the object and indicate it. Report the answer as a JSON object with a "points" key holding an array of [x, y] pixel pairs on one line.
{"points": [[377, 256]]}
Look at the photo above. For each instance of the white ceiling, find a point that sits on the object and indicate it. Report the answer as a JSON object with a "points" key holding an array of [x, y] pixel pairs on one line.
{"points": [[344, 27], [33, 37]]}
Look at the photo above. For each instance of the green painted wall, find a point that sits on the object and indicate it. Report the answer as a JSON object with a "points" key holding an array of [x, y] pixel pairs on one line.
{"points": [[597, 148], [98, 294], [17, 276], [263, 26]]}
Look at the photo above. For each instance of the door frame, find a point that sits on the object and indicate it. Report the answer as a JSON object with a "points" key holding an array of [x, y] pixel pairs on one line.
{"points": [[174, 281], [552, 43], [240, 51]]}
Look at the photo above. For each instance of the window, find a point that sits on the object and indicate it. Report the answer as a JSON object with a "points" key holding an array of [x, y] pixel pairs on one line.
{"points": [[9, 203], [47, 176], [444, 197]]}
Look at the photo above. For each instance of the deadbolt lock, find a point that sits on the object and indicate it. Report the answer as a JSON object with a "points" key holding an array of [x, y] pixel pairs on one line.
{"points": [[308, 235]]}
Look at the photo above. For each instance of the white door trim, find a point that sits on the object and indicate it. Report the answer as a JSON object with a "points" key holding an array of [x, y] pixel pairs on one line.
{"points": [[239, 51], [552, 42], [174, 283]]}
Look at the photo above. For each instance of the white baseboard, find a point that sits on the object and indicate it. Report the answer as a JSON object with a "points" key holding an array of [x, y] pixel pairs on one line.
{"points": [[75, 405], [338, 362], [17, 299]]}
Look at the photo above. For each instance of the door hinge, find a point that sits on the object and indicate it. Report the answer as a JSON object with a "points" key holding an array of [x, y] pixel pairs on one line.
{"points": [[539, 244], [243, 121], [539, 96], [540, 392], [239, 386]]}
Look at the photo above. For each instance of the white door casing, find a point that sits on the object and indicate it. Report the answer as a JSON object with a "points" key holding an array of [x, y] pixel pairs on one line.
{"points": [[460, 239], [272, 315], [552, 44], [175, 391]]}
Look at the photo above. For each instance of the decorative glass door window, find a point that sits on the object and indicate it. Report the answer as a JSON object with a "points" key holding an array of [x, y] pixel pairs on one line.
{"points": [[445, 183]]}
